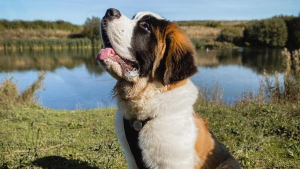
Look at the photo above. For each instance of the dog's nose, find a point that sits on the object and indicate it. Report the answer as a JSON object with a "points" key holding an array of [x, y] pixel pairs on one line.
{"points": [[112, 13]]}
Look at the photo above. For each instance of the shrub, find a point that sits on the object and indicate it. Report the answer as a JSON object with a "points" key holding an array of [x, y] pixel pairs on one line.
{"points": [[213, 24], [269, 32], [199, 43], [231, 35]]}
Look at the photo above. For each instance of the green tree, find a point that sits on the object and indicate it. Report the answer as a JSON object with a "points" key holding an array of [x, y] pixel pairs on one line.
{"points": [[293, 26], [268, 32], [91, 28]]}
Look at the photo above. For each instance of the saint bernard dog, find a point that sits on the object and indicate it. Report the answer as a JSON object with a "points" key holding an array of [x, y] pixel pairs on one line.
{"points": [[152, 60]]}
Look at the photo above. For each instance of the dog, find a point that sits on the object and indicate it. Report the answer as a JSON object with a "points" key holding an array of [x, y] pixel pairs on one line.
{"points": [[152, 61]]}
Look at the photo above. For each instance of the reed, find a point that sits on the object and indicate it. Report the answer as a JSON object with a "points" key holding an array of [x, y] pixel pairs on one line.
{"points": [[275, 91], [22, 33], [53, 44], [10, 96]]}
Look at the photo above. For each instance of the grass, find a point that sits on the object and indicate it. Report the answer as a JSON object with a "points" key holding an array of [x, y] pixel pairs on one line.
{"points": [[35, 137], [258, 135]]}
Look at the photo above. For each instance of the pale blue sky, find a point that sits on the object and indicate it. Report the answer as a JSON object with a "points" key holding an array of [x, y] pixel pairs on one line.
{"points": [[76, 11]]}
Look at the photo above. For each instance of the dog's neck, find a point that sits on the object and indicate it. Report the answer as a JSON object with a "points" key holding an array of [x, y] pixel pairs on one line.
{"points": [[144, 99]]}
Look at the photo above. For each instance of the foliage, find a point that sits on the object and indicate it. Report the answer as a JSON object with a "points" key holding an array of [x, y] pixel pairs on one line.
{"points": [[293, 26], [231, 35], [269, 32], [91, 28], [38, 24]]}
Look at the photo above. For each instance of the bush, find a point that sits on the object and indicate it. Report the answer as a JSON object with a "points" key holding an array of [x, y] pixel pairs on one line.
{"points": [[199, 43], [231, 35], [269, 32], [214, 24]]}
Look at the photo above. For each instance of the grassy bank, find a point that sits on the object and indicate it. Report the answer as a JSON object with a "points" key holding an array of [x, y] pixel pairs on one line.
{"points": [[259, 136], [34, 137]]}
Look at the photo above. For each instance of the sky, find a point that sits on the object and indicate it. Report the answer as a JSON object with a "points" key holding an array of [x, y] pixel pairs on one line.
{"points": [[76, 11]]}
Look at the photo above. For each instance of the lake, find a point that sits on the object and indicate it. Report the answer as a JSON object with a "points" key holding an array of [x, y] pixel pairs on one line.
{"points": [[75, 81]]}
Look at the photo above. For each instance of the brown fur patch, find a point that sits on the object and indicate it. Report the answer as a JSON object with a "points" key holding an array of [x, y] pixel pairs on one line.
{"points": [[204, 143], [160, 50], [174, 85], [179, 55], [211, 153]]}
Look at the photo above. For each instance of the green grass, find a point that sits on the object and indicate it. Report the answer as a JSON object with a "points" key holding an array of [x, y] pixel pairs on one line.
{"points": [[259, 136], [35, 137]]}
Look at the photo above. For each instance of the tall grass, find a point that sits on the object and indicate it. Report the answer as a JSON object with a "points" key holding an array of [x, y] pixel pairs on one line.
{"points": [[36, 33], [41, 44], [273, 90], [10, 96]]}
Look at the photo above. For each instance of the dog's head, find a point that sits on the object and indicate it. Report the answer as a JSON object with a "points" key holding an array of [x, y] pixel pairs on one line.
{"points": [[146, 46]]}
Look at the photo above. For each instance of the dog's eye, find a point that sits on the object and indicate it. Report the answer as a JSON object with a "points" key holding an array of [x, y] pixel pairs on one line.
{"points": [[145, 26]]}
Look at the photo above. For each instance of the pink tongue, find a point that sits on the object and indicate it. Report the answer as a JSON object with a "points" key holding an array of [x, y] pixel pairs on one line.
{"points": [[105, 53]]}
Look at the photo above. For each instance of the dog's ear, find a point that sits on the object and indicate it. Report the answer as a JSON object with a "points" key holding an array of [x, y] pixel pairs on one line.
{"points": [[179, 55]]}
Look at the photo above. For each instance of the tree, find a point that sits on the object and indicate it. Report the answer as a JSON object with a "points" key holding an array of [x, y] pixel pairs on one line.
{"points": [[293, 26], [91, 28], [268, 32]]}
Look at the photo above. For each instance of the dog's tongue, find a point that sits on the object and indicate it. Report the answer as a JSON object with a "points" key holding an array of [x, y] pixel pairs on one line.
{"points": [[105, 53]]}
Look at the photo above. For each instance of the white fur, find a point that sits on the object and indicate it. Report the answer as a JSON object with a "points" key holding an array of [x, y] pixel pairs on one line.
{"points": [[120, 31], [139, 15], [168, 140]]}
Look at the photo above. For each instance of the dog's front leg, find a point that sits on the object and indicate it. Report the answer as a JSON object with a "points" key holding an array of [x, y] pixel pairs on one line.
{"points": [[119, 129]]}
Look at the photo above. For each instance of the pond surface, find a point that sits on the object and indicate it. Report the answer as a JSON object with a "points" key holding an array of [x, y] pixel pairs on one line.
{"points": [[75, 81]]}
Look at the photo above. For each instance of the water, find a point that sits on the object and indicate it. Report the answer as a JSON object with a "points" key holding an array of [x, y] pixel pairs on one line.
{"points": [[75, 81]]}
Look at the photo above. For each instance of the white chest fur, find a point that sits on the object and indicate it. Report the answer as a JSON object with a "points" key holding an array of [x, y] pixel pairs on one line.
{"points": [[168, 140]]}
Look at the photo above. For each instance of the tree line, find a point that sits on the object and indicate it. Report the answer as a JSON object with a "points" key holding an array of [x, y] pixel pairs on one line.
{"points": [[274, 32], [277, 31]]}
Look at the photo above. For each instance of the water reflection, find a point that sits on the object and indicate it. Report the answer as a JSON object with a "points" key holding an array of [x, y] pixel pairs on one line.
{"points": [[256, 59], [48, 60], [74, 79]]}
